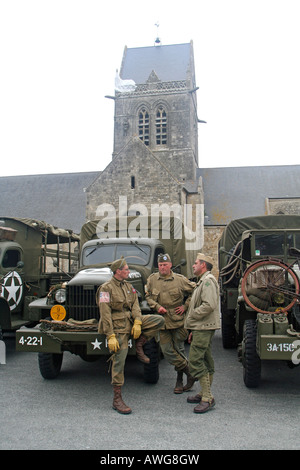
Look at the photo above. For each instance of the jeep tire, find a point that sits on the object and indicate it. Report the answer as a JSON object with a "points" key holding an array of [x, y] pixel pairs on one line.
{"points": [[250, 359]]}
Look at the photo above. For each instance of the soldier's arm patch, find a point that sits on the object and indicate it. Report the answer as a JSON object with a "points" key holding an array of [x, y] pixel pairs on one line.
{"points": [[104, 297]]}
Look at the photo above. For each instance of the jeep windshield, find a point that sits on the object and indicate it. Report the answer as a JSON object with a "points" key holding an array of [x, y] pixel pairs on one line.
{"points": [[106, 253]]}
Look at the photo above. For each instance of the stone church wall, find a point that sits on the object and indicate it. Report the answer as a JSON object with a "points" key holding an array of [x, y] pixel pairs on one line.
{"points": [[212, 235], [179, 155], [142, 183]]}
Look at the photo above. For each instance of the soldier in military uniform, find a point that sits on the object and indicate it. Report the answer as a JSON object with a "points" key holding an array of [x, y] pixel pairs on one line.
{"points": [[202, 320], [169, 294], [120, 317]]}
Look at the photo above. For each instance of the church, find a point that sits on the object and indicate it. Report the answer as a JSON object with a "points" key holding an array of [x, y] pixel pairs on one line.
{"points": [[155, 149], [155, 158]]}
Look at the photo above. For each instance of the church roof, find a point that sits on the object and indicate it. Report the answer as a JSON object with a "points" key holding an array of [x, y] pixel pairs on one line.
{"points": [[170, 63], [237, 192], [58, 199]]}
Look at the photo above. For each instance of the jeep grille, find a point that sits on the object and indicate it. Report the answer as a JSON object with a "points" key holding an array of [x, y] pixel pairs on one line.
{"points": [[81, 303]]}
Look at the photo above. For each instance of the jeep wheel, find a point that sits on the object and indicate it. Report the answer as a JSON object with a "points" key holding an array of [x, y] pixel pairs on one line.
{"points": [[250, 359], [50, 364], [151, 371]]}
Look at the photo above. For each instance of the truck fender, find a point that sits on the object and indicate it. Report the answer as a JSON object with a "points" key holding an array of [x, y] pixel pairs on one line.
{"points": [[40, 303], [5, 316]]}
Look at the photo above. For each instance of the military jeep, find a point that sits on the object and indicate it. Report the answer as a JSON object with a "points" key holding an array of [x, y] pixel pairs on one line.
{"points": [[260, 291]]}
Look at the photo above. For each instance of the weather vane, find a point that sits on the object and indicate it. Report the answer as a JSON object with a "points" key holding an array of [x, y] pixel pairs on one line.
{"points": [[157, 41]]}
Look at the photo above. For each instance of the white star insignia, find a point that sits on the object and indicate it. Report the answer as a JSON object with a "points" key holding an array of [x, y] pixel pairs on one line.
{"points": [[12, 290], [96, 344]]}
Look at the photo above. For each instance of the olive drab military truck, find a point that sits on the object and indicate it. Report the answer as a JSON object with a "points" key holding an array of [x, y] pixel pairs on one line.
{"points": [[74, 322], [26, 246], [260, 291]]}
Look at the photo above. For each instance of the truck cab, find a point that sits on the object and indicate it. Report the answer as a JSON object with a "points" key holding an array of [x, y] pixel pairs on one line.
{"points": [[73, 325], [27, 249]]}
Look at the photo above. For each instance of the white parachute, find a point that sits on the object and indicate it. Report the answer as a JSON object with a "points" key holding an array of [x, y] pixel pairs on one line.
{"points": [[124, 86]]}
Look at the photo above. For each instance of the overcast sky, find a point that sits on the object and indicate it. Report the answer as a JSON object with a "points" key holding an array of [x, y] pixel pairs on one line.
{"points": [[58, 60]]}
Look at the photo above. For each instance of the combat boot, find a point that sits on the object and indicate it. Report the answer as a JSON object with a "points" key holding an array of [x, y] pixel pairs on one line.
{"points": [[190, 380], [179, 382], [118, 403], [139, 343], [197, 398], [207, 400]]}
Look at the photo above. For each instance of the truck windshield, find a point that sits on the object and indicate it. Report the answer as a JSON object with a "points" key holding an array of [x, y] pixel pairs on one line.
{"points": [[293, 240], [99, 254], [269, 244], [11, 258]]}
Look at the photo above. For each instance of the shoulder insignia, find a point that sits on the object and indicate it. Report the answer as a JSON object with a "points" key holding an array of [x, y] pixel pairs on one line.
{"points": [[104, 297]]}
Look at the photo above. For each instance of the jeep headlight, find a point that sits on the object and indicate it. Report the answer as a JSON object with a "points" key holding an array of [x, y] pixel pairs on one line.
{"points": [[60, 296]]}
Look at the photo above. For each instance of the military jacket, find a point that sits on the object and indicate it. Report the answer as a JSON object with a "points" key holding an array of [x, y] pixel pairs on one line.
{"points": [[119, 307], [169, 292], [204, 312]]}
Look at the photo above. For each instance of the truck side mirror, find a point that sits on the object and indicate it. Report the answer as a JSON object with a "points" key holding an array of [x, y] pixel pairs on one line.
{"points": [[20, 264]]}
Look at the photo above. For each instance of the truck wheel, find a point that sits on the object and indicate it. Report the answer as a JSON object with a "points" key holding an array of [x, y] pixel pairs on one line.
{"points": [[277, 281], [151, 371], [50, 364], [228, 330], [250, 359]]}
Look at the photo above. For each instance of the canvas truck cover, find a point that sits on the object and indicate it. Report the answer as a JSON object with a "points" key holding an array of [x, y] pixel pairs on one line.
{"points": [[234, 230], [51, 233], [32, 234], [170, 231]]}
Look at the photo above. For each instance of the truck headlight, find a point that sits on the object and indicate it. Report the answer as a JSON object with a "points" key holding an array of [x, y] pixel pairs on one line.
{"points": [[60, 296]]}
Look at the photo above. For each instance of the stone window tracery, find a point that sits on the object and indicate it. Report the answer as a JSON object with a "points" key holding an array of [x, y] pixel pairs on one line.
{"points": [[161, 126], [144, 122]]}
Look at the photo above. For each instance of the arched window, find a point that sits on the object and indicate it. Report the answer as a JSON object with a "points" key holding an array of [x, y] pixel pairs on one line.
{"points": [[161, 126], [144, 126]]}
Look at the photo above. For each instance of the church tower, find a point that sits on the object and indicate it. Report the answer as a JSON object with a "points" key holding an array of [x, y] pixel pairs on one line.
{"points": [[162, 110], [155, 150]]}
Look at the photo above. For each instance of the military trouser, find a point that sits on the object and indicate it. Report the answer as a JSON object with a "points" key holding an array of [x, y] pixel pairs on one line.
{"points": [[172, 346], [151, 324], [200, 358]]}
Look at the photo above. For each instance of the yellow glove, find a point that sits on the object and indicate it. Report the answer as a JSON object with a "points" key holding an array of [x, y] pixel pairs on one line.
{"points": [[136, 329], [113, 343]]}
